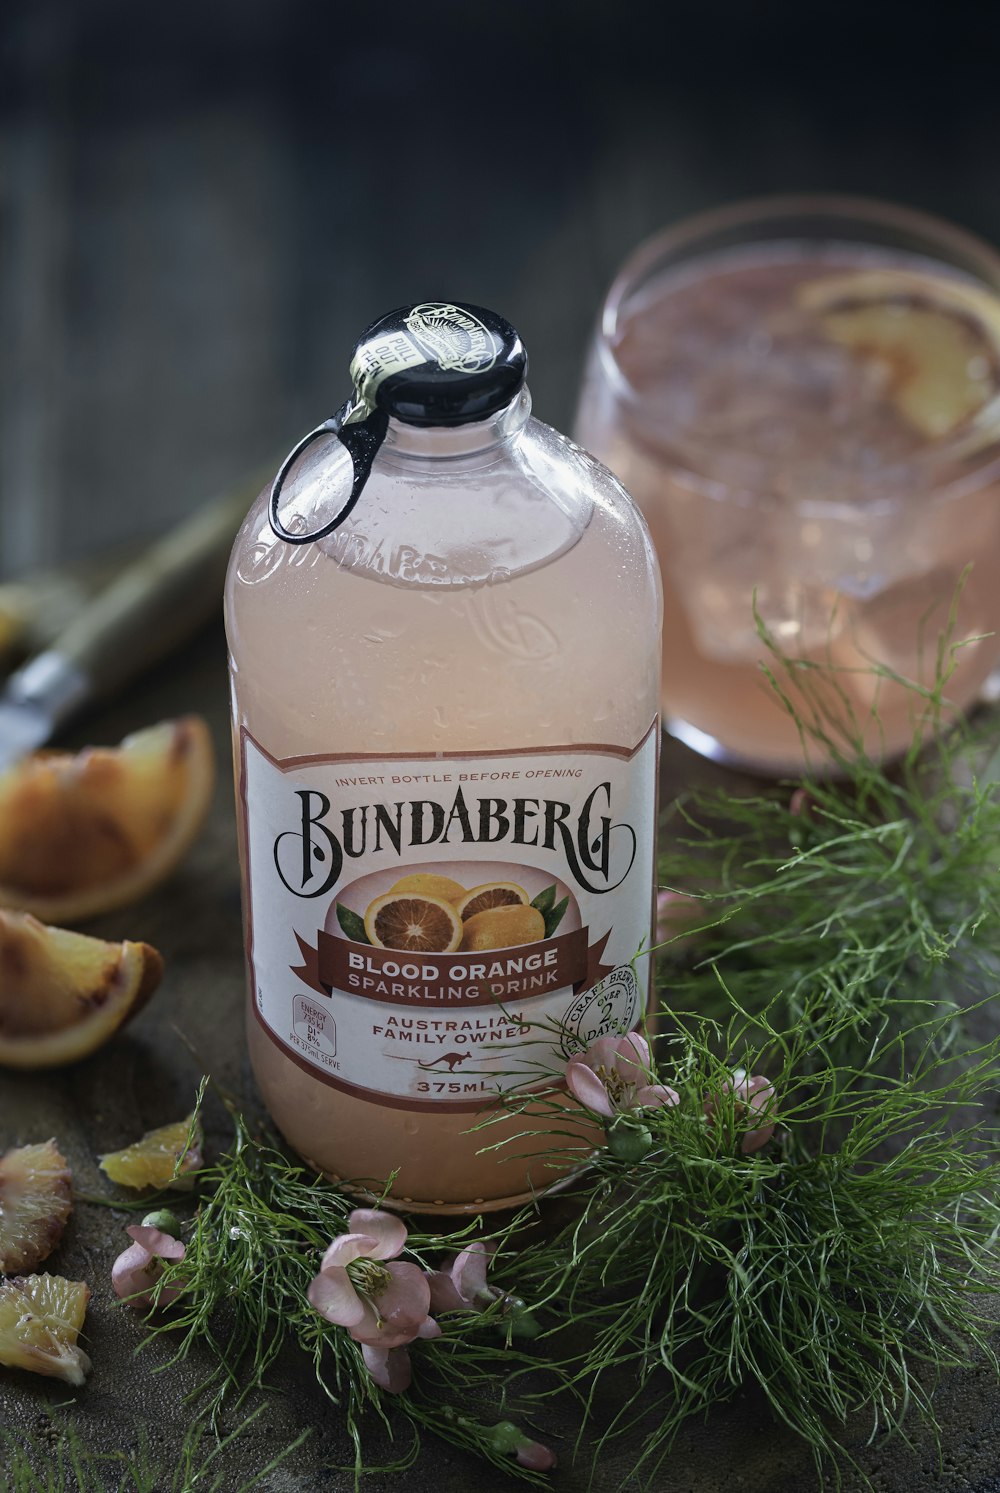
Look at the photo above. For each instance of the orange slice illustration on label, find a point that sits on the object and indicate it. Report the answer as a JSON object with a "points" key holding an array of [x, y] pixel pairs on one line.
{"points": [[429, 884], [416, 924], [503, 928], [491, 894]]}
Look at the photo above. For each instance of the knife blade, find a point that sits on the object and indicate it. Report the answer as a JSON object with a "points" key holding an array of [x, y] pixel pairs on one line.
{"points": [[154, 604], [23, 729]]}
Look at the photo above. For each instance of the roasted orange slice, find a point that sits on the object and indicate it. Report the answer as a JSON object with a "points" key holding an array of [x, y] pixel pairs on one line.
{"points": [[40, 1321], [80, 835], [429, 884], [937, 340], [491, 894], [503, 928], [160, 1159], [35, 1202], [62, 995], [414, 924]]}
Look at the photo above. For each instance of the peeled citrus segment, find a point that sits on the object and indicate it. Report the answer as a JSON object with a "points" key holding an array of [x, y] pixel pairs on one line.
{"points": [[937, 340], [80, 835], [35, 1202], [40, 1321], [159, 1159], [503, 928], [429, 884], [491, 894], [62, 995], [416, 924]]}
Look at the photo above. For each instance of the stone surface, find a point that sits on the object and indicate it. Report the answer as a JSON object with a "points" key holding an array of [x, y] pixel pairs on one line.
{"points": [[148, 1076]]}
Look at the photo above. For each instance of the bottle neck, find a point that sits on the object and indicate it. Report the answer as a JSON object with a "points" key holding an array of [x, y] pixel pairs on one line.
{"points": [[474, 444]]}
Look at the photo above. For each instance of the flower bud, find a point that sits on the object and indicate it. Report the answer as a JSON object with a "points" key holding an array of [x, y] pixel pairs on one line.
{"points": [[163, 1220], [628, 1139], [518, 1320]]}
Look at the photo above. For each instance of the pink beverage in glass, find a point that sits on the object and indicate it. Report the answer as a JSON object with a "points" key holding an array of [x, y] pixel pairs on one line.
{"points": [[445, 711], [803, 398]]}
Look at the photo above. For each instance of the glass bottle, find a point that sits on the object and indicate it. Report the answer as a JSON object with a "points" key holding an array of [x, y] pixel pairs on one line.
{"points": [[444, 623]]}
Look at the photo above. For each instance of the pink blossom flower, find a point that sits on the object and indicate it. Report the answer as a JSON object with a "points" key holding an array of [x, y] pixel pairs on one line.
{"points": [[613, 1075], [390, 1367], [754, 1096], [136, 1271], [381, 1304], [461, 1285], [676, 913]]}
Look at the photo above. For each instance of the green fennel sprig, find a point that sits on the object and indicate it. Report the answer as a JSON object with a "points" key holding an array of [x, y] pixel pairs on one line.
{"points": [[841, 1270], [877, 882], [255, 1244]]}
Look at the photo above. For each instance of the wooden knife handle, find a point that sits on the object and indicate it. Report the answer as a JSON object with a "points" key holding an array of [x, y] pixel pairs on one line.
{"points": [[160, 599]]}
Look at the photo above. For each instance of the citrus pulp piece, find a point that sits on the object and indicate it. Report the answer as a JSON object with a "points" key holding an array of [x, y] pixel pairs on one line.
{"points": [[155, 1160], [80, 835], [937, 340], [62, 995], [503, 928], [35, 1202], [429, 884], [416, 924], [491, 894], [40, 1321]]}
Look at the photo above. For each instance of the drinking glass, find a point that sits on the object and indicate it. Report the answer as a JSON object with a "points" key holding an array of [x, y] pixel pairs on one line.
{"points": [[803, 395]]}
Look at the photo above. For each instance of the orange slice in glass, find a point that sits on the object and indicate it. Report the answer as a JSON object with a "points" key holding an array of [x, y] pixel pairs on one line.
{"points": [[937, 340]]}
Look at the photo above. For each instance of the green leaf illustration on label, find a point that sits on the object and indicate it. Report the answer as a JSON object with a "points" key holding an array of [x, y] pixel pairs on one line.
{"points": [[555, 916], [545, 899], [352, 924]]}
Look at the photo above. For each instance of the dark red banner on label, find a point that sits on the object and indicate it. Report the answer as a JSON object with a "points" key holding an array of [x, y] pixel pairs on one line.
{"points": [[486, 978]]}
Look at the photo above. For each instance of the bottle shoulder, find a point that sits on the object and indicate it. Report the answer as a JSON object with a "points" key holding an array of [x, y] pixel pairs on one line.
{"points": [[538, 501]]}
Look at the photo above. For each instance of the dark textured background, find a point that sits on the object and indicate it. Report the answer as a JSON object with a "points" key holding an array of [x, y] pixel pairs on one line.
{"points": [[200, 205], [203, 203]]}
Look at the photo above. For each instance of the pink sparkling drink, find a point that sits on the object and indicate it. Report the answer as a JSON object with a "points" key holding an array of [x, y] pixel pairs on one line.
{"points": [[804, 398]]}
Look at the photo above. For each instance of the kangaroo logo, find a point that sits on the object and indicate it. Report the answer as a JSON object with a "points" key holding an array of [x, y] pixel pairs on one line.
{"points": [[451, 1058]]}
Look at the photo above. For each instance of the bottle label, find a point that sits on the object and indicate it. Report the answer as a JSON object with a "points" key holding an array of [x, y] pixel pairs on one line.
{"points": [[430, 931]]}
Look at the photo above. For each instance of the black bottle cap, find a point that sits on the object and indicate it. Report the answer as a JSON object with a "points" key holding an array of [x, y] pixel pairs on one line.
{"points": [[439, 363]]}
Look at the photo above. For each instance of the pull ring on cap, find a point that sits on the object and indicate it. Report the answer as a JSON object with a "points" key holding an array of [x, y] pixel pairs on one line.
{"points": [[361, 432]]}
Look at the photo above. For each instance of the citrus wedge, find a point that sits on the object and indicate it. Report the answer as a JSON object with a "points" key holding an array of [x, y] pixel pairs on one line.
{"points": [[159, 1159], [936, 340], [415, 924], [80, 835], [503, 928], [491, 894], [35, 1202], [429, 884], [40, 1321], [62, 995]]}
